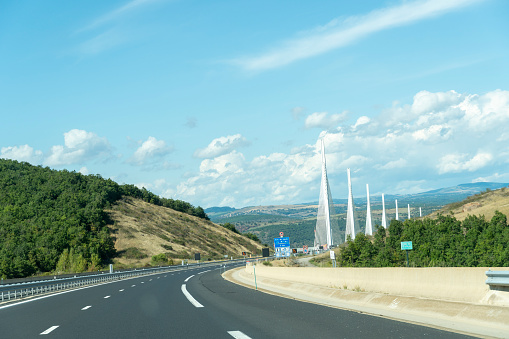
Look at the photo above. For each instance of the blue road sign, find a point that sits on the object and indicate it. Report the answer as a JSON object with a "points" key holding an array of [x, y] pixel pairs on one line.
{"points": [[282, 242], [282, 247]]}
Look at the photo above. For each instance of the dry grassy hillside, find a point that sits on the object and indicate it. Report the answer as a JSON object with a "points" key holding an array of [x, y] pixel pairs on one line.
{"points": [[141, 230], [485, 203]]}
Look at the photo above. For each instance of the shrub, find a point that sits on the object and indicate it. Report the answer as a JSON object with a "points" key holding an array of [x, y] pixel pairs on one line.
{"points": [[133, 253], [159, 259]]}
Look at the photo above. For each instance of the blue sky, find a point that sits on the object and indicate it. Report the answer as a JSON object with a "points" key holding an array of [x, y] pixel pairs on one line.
{"points": [[224, 103]]}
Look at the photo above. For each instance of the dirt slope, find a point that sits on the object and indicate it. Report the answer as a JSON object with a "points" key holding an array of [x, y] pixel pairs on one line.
{"points": [[141, 230], [485, 203]]}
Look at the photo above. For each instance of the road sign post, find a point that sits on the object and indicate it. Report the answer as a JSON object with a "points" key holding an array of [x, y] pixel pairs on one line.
{"points": [[406, 245], [333, 258]]}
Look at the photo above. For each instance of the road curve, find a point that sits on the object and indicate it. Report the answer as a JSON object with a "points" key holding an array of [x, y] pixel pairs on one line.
{"points": [[156, 307]]}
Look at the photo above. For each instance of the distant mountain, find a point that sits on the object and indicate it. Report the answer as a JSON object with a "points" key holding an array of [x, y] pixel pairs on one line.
{"points": [[219, 209], [434, 198], [299, 220], [217, 212]]}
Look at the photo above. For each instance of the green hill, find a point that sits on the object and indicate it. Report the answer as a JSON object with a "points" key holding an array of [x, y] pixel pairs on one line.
{"points": [[51, 219]]}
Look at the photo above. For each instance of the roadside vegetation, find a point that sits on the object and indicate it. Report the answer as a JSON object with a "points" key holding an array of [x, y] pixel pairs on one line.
{"points": [[441, 242], [55, 221]]}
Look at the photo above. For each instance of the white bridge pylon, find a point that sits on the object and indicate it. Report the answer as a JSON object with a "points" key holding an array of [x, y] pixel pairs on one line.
{"points": [[324, 222]]}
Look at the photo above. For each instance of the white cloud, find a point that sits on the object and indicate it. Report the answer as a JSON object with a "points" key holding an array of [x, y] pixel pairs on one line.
{"points": [[103, 41], [221, 146], [265, 179], [150, 150], [432, 133], [232, 163], [484, 113], [340, 33], [400, 163], [361, 121], [460, 162], [354, 161], [324, 120], [410, 186], [84, 171], [79, 146], [427, 102], [496, 177], [117, 13], [22, 153]]}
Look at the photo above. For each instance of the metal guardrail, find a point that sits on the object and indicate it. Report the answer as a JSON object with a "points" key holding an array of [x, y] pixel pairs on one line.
{"points": [[9, 292], [497, 278]]}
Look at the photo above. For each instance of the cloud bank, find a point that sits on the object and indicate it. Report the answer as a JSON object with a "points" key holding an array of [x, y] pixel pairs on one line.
{"points": [[405, 148]]}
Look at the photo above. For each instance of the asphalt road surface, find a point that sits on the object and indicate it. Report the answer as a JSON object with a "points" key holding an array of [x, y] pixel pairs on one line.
{"points": [[195, 303]]}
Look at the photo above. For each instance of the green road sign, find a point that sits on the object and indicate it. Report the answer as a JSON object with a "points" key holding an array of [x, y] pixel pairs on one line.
{"points": [[406, 245]]}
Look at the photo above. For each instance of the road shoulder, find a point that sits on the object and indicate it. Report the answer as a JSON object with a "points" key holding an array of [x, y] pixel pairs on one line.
{"points": [[466, 318]]}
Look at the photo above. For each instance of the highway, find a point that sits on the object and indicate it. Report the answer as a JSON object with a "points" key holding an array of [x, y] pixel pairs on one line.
{"points": [[194, 303]]}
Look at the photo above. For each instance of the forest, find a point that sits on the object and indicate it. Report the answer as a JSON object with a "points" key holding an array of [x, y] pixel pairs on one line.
{"points": [[56, 221], [440, 242]]}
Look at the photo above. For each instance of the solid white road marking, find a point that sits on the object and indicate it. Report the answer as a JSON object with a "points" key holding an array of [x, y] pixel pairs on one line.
{"points": [[49, 330], [190, 297], [238, 335], [188, 278], [86, 308], [106, 297]]}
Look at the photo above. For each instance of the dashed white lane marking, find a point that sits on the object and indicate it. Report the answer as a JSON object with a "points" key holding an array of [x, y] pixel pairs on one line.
{"points": [[190, 297], [188, 278], [238, 335], [133, 285], [150, 280], [106, 297], [204, 272], [49, 330], [142, 282], [86, 307], [122, 290]]}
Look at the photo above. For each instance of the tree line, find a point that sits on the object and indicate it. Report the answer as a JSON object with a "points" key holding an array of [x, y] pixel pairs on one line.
{"points": [[443, 242], [56, 220]]}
